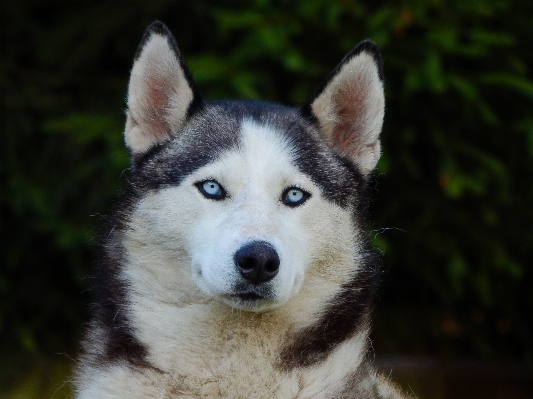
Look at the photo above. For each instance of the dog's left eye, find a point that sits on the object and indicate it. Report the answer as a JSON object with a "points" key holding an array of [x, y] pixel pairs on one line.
{"points": [[294, 196], [211, 189]]}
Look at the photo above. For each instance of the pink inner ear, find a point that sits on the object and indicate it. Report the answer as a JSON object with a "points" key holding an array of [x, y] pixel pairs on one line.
{"points": [[349, 109], [158, 102]]}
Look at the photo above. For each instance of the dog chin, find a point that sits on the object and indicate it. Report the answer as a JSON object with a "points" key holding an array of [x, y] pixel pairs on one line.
{"points": [[250, 302]]}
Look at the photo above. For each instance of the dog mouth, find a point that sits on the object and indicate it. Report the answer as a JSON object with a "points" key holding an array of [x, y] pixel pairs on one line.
{"points": [[260, 299], [250, 297]]}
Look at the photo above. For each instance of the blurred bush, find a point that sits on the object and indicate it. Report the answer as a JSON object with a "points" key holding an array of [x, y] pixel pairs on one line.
{"points": [[453, 195]]}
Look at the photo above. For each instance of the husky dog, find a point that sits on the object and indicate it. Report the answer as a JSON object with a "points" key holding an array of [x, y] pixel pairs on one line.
{"points": [[238, 265]]}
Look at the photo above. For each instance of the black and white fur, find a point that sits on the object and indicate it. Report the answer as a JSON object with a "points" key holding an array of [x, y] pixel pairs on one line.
{"points": [[238, 265]]}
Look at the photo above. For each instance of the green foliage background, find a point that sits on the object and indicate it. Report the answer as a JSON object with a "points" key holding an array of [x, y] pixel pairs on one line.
{"points": [[453, 195]]}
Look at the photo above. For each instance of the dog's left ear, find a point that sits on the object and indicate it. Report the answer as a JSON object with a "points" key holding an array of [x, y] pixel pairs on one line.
{"points": [[161, 92], [350, 106]]}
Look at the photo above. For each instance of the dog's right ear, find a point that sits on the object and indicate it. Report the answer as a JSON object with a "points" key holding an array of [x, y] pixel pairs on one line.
{"points": [[161, 92]]}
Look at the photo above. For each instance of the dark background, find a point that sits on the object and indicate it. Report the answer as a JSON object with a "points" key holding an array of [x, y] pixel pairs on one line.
{"points": [[452, 196]]}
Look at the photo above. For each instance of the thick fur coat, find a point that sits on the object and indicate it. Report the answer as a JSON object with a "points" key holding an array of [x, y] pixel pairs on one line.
{"points": [[237, 264]]}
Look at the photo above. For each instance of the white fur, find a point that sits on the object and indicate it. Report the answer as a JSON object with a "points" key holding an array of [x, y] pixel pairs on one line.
{"points": [[330, 376], [243, 373]]}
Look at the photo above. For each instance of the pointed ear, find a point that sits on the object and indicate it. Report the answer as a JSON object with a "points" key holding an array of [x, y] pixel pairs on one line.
{"points": [[350, 106], [161, 92]]}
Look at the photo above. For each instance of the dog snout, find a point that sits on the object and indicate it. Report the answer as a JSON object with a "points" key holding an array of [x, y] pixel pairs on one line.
{"points": [[257, 262]]}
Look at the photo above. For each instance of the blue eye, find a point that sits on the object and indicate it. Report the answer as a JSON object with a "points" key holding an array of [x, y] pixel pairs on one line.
{"points": [[211, 189], [294, 196]]}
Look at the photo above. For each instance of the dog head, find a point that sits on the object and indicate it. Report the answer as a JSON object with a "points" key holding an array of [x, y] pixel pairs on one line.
{"points": [[246, 202]]}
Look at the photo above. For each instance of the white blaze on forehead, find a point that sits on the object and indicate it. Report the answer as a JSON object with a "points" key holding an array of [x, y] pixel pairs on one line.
{"points": [[264, 149]]}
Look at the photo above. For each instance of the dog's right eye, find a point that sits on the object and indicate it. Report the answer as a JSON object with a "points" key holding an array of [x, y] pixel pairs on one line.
{"points": [[211, 189]]}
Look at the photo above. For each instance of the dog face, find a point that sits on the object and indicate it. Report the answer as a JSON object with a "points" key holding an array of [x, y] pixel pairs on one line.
{"points": [[248, 246], [243, 203], [249, 224]]}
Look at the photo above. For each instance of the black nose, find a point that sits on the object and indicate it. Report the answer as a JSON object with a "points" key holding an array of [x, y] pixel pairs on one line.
{"points": [[258, 262]]}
